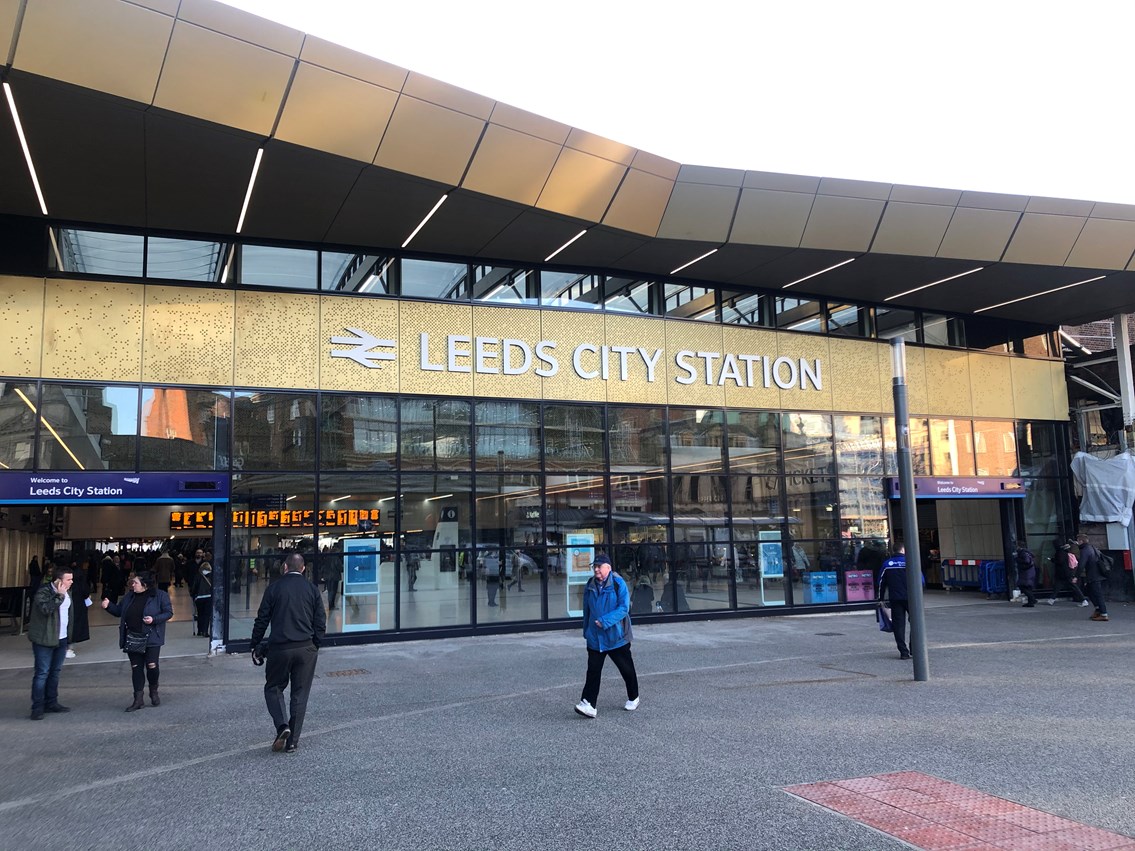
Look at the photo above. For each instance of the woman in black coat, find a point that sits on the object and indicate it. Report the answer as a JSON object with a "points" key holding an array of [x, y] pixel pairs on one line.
{"points": [[145, 609], [80, 599]]}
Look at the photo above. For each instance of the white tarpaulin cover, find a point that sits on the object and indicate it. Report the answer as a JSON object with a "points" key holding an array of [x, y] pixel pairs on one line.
{"points": [[1108, 486]]}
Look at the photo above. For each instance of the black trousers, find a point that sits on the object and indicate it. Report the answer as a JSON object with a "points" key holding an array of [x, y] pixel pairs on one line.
{"points": [[140, 673], [898, 619], [294, 665], [621, 656]]}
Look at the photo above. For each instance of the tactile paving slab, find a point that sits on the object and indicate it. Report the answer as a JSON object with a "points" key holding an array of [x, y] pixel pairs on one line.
{"points": [[934, 814]]}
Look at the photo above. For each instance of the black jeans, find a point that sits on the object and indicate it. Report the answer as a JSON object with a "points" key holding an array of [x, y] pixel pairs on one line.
{"points": [[1095, 594], [140, 672], [899, 610], [294, 664], [621, 656]]}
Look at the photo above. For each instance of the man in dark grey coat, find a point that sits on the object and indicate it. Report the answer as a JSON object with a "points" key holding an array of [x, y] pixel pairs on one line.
{"points": [[293, 607]]}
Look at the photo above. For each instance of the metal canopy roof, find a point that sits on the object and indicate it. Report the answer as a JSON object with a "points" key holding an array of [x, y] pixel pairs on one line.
{"points": [[149, 114]]}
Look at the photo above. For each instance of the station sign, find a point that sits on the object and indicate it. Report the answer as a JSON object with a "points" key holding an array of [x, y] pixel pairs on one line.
{"points": [[960, 487], [101, 488]]}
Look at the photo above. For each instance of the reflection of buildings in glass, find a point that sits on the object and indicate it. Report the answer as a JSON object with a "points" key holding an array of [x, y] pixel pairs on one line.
{"points": [[83, 424], [278, 429], [17, 428], [183, 428]]}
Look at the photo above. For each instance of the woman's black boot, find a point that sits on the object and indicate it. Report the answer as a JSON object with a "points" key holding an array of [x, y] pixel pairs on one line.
{"points": [[137, 704]]}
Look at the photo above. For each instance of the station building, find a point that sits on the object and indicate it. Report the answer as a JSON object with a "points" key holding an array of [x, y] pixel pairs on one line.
{"points": [[261, 292]]}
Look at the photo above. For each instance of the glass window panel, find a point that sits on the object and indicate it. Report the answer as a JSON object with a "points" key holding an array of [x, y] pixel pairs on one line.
{"points": [[574, 437], [995, 444], [504, 533], [689, 302], [570, 289], [271, 516], [18, 404], [893, 323], [185, 429], [942, 331], [436, 434], [862, 507], [431, 279], [507, 436], [631, 295], [746, 309], [919, 447], [505, 285], [758, 525], [754, 442], [93, 427], [640, 515], [274, 431], [697, 438], [812, 506], [1039, 449], [807, 442], [89, 252], [795, 314], [185, 259], [1039, 346], [699, 562], [345, 272], [849, 320], [359, 432], [637, 437], [269, 266], [951, 448], [859, 445]]}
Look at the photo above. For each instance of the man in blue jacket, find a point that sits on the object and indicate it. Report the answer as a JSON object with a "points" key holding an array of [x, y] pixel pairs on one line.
{"points": [[892, 588], [607, 630]]}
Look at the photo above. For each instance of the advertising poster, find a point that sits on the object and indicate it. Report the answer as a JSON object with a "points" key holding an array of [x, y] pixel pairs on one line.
{"points": [[580, 549]]}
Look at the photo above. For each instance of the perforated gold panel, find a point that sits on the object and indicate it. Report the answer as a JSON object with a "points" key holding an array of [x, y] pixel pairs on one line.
{"points": [[1059, 385], [640, 333], [763, 344], [21, 317], [947, 383], [369, 371], [495, 326], [187, 336], [691, 338], [853, 370], [438, 321], [570, 330], [991, 385], [276, 340], [92, 331], [809, 349], [1032, 394]]}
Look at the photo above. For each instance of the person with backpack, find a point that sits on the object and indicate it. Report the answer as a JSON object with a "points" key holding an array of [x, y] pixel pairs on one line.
{"points": [[1095, 571], [1026, 574], [607, 631], [1067, 574]]}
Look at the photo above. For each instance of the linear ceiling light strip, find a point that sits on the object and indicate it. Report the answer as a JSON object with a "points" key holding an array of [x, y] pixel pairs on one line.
{"points": [[24, 145], [565, 245], [429, 216], [692, 262], [1038, 295], [934, 284], [248, 193], [54, 433], [815, 274]]}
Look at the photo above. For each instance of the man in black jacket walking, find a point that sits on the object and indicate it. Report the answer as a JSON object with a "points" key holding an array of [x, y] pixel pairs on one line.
{"points": [[293, 607]]}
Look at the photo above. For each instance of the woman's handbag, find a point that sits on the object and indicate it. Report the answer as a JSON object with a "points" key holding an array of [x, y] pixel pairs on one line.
{"points": [[883, 618], [136, 642]]}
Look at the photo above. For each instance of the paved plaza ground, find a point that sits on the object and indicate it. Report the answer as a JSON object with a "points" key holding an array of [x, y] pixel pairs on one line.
{"points": [[471, 743]]}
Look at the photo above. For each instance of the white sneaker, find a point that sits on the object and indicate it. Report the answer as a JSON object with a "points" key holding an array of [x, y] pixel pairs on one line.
{"points": [[586, 709], [631, 705], [1051, 601], [1084, 604], [70, 654]]}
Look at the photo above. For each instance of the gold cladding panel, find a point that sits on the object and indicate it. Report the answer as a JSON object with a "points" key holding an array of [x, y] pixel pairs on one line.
{"points": [[326, 54], [853, 372], [1032, 395], [769, 217], [243, 25], [947, 383], [376, 316], [9, 10], [842, 223], [747, 341], [21, 316], [569, 330], [639, 332], [978, 234], [915, 229], [581, 185], [92, 331], [428, 141], [106, 45], [1059, 384], [276, 340], [240, 85], [187, 336], [1043, 239], [694, 337], [1103, 244], [501, 323], [810, 347], [699, 211], [331, 112], [640, 202], [511, 165], [915, 381], [438, 321], [991, 385]]}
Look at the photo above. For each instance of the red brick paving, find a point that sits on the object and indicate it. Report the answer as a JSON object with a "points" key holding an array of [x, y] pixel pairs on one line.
{"points": [[935, 815]]}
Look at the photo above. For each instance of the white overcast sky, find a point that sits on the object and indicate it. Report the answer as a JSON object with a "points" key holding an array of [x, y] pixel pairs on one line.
{"points": [[1027, 98]]}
